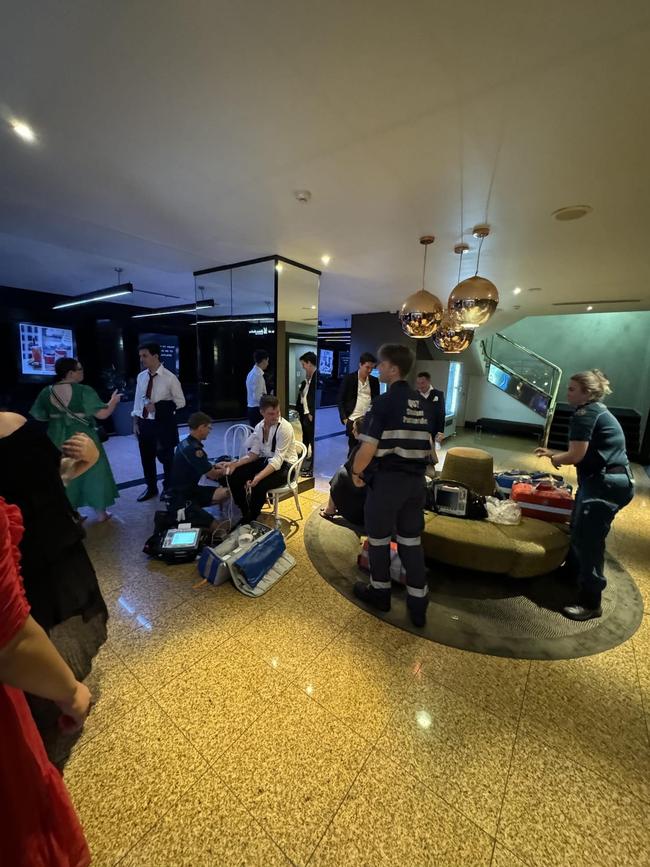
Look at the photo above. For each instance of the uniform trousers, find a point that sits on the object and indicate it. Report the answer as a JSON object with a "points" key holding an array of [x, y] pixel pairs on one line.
{"points": [[394, 504], [598, 500], [254, 415], [251, 502]]}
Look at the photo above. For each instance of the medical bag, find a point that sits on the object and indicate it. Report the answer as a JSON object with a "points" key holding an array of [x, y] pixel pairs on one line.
{"points": [[545, 500]]}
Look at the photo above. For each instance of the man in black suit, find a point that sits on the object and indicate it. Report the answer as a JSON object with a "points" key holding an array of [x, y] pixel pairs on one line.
{"points": [[356, 393], [437, 398], [306, 407]]}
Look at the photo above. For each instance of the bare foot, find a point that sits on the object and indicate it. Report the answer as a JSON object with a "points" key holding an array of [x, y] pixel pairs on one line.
{"points": [[104, 516]]}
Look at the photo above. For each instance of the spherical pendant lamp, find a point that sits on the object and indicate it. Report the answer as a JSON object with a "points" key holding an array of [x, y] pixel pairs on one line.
{"points": [[452, 337], [421, 313], [473, 300]]}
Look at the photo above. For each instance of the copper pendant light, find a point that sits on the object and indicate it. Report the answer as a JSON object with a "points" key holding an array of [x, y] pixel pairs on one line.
{"points": [[475, 299], [421, 312], [451, 337]]}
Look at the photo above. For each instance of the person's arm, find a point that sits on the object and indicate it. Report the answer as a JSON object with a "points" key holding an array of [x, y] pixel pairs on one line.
{"points": [[79, 454], [31, 662], [575, 453], [138, 402], [108, 410], [177, 392], [362, 458], [373, 429], [260, 386]]}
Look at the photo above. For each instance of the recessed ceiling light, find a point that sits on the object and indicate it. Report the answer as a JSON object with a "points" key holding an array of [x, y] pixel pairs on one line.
{"points": [[516, 290], [23, 130], [279, 268], [326, 259], [590, 307], [573, 212]]}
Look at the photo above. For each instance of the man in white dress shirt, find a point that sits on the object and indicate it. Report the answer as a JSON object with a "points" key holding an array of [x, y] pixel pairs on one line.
{"points": [[158, 394], [256, 386]]}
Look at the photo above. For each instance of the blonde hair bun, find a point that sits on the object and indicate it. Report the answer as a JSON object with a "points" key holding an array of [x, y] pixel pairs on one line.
{"points": [[594, 383]]}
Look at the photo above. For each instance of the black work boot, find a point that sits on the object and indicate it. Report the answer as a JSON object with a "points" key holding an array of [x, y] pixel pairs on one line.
{"points": [[578, 611], [379, 599], [417, 608]]}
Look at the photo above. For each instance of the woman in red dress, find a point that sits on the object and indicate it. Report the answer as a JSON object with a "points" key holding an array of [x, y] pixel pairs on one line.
{"points": [[38, 824]]}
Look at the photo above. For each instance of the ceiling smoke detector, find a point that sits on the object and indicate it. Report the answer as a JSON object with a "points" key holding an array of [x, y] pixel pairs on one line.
{"points": [[573, 212], [302, 196]]}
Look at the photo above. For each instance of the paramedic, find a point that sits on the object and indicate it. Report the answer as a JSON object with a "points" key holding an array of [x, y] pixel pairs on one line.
{"points": [[605, 486], [395, 449]]}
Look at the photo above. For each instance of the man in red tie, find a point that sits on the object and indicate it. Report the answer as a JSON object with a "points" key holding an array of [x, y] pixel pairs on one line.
{"points": [[158, 395]]}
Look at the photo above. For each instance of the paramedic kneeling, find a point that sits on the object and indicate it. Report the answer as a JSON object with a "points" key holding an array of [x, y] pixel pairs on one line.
{"points": [[395, 449], [189, 465], [605, 486], [272, 450]]}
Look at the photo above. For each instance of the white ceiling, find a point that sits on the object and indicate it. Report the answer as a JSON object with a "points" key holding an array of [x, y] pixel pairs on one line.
{"points": [[171, 137]]}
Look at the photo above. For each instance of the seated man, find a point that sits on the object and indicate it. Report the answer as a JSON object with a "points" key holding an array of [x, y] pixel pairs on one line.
{"points": [[346, 499], [190, 464], [272, 450]]}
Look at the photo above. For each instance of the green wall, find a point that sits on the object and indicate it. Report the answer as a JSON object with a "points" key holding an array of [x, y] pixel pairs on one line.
{"points": [[617, 343]]}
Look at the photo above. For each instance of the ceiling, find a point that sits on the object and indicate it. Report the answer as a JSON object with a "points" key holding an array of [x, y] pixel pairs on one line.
{"points": [[171, 137]]}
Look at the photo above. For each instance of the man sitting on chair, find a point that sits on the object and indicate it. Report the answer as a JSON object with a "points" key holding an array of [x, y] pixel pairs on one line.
{"points": [[272, 450], [190, 464]]}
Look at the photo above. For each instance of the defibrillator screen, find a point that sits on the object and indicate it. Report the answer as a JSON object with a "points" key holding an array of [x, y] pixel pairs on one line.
{"points": [[447, 499], [183, 539]]}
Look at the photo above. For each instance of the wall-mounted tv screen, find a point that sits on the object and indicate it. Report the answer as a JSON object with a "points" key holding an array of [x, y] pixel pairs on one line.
{"points": [[326, 362], [169, 350], [41, 346], [498, 377], [522, 391]]}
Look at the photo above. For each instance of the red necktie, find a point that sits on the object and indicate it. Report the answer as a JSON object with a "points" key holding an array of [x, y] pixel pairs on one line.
{"points": [[145, 411]]}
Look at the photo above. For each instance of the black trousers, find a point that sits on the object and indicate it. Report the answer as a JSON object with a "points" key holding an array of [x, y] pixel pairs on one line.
{"points": [[308, 434], [150, 449], [251, 502], [598, 500], [254, 415], [394, 504], [352, 441]]}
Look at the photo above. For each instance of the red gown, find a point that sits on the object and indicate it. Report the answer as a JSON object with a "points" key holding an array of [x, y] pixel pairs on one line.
{"points": [[38, 824]]}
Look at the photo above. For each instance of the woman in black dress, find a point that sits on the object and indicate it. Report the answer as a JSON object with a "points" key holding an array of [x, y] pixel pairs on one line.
{"points": [[346, 499], [59, 579]]}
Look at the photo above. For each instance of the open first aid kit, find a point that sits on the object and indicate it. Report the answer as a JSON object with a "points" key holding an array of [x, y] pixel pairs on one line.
{"points": [[397, 572], [253, 557], [546, 500]]}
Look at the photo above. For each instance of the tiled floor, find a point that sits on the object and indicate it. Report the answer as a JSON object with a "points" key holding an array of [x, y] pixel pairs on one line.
{"points": [[298, 729]]}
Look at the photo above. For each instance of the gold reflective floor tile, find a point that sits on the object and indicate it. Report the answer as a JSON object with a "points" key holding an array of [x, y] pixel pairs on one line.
{"points": [[127, 777], [590, 709], [358, 683], [388, 818], [227, 608], [641, 642], [493, 682], [207, 827], [157, 653], [130, 603], [115, 692], [292, 771], [320, 595], [215, 701], [289, 635], [455, 748], [503, 857], [557, 813]]}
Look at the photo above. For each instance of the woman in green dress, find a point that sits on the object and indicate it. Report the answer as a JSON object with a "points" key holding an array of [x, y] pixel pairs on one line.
{"points": [[69, 408]]}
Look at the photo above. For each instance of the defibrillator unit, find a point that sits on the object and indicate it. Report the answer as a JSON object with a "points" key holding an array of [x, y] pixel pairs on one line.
{"points": [[181, 544], [456, 500]]}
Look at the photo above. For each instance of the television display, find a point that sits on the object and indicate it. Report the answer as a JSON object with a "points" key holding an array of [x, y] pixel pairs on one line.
{"points": [[41, 346], [326, 362], [498, 377], [513, 385]]}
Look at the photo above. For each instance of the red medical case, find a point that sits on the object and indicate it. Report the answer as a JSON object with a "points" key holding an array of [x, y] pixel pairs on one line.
{"points": [[544, 501]]}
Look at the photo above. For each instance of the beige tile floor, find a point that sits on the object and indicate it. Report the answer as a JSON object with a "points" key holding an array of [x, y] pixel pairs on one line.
{"points": [[298, 729]]}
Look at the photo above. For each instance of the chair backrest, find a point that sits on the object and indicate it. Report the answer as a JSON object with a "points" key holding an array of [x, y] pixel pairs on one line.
{"points": [[296, 466], [235, 439]]}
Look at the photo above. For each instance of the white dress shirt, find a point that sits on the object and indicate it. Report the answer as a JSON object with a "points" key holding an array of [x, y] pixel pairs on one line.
{"points": [[285, 443], [305, 395], [165, 387], [363, 399], [255, 386]]}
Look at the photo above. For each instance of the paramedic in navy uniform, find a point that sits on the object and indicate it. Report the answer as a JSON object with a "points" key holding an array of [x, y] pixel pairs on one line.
{"points": [[396, 448], [272, 450], [190, 464], [605, 485]]}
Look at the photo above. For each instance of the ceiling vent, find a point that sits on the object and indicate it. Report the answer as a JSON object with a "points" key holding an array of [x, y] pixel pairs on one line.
{"points": [[573, 212]]}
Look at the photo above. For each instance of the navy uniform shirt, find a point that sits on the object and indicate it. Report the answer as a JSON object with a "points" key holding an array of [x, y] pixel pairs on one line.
{"points": [[594, 424], [400, 424], [190, 463]]}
